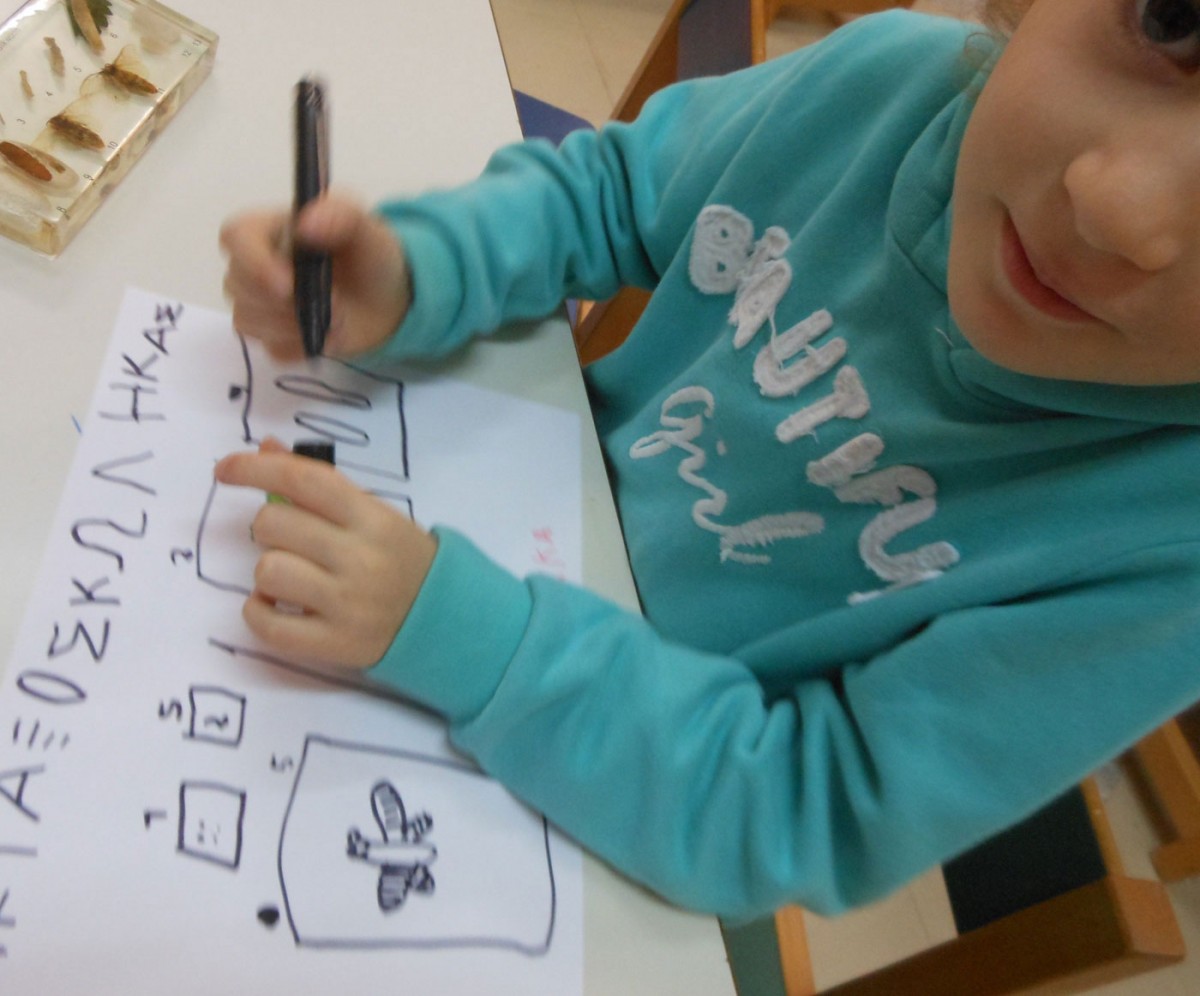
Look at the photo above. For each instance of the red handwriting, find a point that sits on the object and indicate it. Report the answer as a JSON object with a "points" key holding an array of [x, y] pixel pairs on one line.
{"points": [[546, 557]]}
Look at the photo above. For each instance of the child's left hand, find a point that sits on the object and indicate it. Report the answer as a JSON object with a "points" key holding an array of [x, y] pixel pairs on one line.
{"points": [[352, 562]]}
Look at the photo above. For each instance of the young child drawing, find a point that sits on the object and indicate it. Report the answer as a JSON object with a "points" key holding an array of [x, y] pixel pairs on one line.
{"points": [[906, 447]]}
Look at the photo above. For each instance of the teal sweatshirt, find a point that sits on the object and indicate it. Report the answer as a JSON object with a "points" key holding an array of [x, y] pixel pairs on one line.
{"points": [[896, 597]]}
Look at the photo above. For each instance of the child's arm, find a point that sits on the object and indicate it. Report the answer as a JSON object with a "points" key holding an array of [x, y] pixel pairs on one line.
{"points": [[683, 770], [351, 562]]}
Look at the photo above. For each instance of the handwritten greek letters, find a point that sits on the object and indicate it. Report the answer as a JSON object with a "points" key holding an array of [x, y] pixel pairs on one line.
{"points": [[105, 471], [137, 697], [5, 921], [726, 258], [13, 784]]}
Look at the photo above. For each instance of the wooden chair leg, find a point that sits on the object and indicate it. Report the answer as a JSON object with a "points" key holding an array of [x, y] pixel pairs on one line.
{"points": [[793, 952], [1099, 933], [1099, 927], [1170, 764], [605, 324], [659, 66]]}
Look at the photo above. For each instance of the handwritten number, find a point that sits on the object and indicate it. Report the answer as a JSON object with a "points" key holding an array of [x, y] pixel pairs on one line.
{"points": [[172, 709]]}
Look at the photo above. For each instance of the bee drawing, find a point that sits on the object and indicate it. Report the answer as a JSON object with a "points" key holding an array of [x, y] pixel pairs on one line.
{"points": [[402, 853]]}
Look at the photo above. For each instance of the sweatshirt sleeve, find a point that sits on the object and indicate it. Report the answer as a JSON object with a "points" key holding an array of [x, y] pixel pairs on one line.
{"points": [[581, 220], [673, 765]]}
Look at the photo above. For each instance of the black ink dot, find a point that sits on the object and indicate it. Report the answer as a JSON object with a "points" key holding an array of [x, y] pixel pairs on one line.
{"points": [[235, 392], [269, 915]]}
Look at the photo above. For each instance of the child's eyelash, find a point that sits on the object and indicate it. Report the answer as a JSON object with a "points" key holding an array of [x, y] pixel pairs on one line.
{"points": [[1154, 54]]}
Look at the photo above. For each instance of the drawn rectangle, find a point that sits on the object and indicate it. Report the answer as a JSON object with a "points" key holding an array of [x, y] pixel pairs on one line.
{"points": [[494, 878]]}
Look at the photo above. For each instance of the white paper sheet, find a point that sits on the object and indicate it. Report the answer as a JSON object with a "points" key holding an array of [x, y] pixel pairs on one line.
{"points": [[184, 812]]}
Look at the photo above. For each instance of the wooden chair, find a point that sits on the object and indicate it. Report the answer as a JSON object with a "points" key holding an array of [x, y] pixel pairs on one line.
{"points": [[1169, 762], [696, 38], [1043, 907]]}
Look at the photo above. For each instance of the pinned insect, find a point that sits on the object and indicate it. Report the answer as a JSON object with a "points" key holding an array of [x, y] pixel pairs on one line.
{"points": [[69, 127], [25, 87], [37, 165], [126, 72], [58, 64]]}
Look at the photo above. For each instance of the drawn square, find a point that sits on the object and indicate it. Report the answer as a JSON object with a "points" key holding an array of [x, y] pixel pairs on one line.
{"points": [[210, 822], [217, 716]]}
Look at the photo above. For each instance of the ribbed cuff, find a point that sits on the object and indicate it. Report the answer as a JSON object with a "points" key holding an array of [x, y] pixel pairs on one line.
{"points": [[437, 291], [461, 633]]}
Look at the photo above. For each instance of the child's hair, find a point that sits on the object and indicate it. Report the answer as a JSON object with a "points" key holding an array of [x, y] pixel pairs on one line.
{"points": [[1003, 15]]}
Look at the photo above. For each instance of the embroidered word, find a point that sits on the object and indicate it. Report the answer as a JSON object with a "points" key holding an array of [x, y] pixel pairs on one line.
{"points": [[841, 471], [680, 432], [725, 259]]}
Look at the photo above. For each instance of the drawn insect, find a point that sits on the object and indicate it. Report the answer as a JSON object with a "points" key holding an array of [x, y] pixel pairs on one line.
{"points": [[25, 87], [402, 856]]}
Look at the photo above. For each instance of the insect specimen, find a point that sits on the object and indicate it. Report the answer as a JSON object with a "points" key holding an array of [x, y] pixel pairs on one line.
{"points": [[25, 87], [57, 63], [156, 34], [67, 126], [125, 72], [85, 22], [37, 165]]}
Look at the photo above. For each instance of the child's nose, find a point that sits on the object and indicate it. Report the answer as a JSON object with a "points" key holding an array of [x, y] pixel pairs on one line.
{"points": [[1132, 205]]}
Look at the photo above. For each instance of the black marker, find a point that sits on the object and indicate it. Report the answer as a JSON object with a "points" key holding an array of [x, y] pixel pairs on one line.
{"points": [[314, 270], [314, 449]]}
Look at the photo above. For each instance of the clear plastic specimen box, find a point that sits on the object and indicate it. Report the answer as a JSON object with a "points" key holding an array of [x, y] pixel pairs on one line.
{"points": [[85, 86]]}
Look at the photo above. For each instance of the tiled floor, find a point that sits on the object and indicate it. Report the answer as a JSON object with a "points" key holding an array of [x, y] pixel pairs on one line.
{"points": [[579, 54]]}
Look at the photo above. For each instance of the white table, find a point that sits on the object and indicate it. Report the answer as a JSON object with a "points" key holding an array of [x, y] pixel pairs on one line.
{"points": [[420, 97]]}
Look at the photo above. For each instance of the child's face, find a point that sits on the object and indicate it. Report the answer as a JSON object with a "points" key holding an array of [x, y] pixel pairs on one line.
{"points": [[1075, 250]]}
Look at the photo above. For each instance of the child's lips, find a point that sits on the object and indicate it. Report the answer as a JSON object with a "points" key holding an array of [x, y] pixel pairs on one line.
{"points": [[1023, 277]]}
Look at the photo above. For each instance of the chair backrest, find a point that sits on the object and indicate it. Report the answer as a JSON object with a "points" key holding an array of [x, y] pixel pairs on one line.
{"points": [[1052, 852], [696, 38], [1044, 906]]}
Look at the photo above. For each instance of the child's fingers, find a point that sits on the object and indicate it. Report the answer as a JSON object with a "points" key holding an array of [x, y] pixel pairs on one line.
{"points": [[331, 223], [275, 328], [288, 579], [293, 634], [310, 484], [254, 244], [279, 526], [310, 635]]}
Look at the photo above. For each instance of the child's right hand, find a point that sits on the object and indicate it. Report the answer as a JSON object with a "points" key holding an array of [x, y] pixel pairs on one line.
{"points": [[371, 285]]}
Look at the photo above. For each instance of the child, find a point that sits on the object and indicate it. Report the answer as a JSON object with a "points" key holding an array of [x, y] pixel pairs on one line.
{"points": [[908, 481]]}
